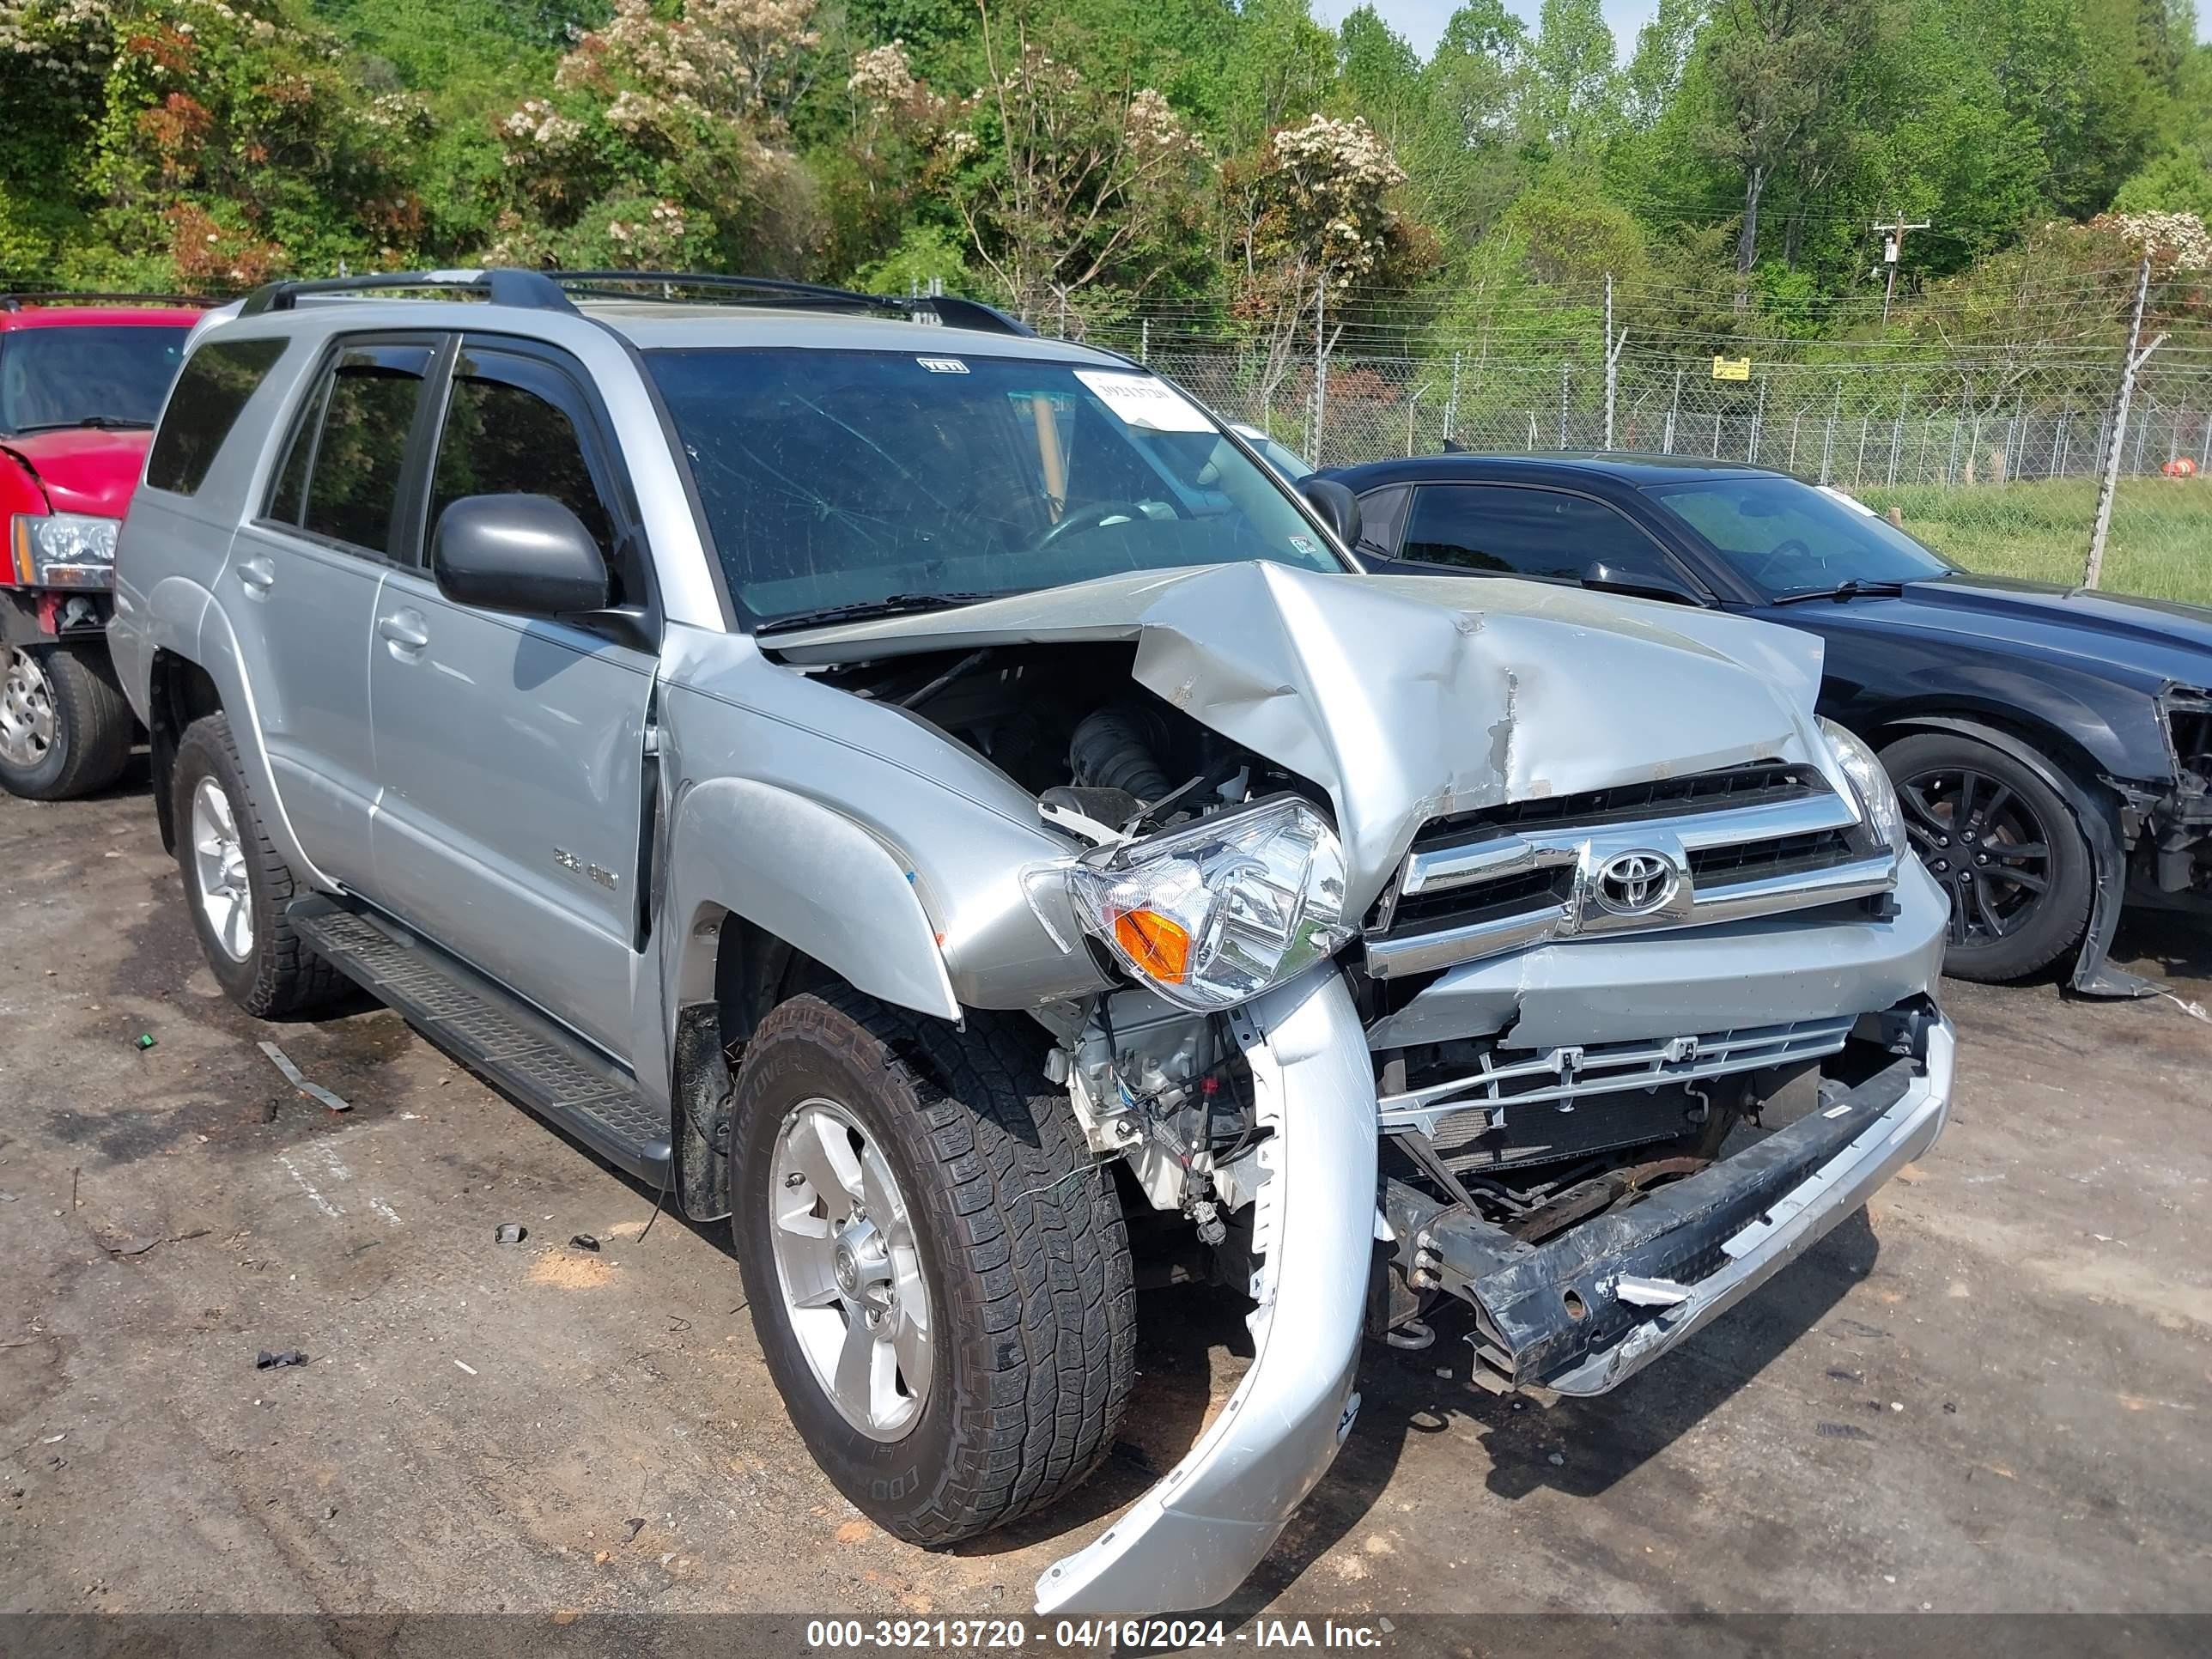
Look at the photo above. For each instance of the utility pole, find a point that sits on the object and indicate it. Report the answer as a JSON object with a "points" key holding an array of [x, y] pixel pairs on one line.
{"points": [[1892, 250], [2108, 484], [1612, 345], [1321, 363]]}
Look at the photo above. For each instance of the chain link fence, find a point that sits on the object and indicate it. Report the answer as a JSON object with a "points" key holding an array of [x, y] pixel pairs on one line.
{"points": [[1993, 459]]}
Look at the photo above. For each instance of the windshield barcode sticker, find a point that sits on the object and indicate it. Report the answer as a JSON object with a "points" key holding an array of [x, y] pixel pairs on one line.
{"points": [[1145, 402]]}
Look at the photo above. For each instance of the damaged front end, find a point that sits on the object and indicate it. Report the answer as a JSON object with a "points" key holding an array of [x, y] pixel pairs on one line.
{"points": [[2169, 829], [1664, 1248], [1451, 954]]}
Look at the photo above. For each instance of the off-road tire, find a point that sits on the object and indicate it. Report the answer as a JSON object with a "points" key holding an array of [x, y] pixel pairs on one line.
{"points": [[2060, 919], [279, 976], [1023, 1250], [93, 728]]}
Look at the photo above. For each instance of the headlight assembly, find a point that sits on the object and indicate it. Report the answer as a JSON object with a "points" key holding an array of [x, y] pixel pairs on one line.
{"points": [[62, 549], [1877, 794], [1212, 913]]}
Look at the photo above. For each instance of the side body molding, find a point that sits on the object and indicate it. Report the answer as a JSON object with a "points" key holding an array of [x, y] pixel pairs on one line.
{"points": [[1190, 1540], [809, 875]]}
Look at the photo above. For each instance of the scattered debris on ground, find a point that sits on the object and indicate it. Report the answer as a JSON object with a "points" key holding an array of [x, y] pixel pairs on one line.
{"points": [[266, 1361], [510, 1232], [314, 1091]]}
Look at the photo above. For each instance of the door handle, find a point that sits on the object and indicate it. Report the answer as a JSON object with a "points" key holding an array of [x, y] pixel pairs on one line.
{"points": [[257, 573], [403, 631]]}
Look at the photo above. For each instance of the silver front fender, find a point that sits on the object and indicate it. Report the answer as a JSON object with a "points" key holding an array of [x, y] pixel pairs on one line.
{"points": [[1189, 1541]]}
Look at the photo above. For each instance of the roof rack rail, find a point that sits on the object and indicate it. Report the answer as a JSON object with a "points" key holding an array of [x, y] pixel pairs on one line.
{"points": [[530, 289], [550, 290], [951, 311], [57, 296]]}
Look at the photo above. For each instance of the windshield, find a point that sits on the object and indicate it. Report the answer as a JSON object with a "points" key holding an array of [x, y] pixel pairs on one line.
{"points": [[67, 376], [842, 478], [1784, 537], [1284, 459]]}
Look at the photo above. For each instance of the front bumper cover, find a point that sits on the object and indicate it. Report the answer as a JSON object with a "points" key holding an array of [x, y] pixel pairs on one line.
{"points": [[1190, 1540], [1589, 1309]]}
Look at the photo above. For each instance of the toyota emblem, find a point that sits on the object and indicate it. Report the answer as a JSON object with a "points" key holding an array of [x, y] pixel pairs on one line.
{"points": [[1636, 883]]}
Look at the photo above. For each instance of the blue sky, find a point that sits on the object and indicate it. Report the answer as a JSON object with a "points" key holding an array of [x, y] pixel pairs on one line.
{"points": [[1422, 20]]}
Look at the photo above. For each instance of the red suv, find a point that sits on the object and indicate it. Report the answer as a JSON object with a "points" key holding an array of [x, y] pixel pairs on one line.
{"points": [[81, 378]]}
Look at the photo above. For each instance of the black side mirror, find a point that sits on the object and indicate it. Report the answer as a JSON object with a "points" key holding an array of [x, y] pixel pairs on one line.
{"points": [[1338, 506], [1637, 584], [526, 554]]}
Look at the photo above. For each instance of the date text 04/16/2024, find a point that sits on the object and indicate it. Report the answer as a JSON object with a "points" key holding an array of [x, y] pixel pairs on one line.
{"points": [[1009, 1634]]}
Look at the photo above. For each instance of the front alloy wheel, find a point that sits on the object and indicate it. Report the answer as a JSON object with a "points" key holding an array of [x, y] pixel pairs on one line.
{"points": [[2004, 848], [65, 728], [26, 711], [850, 1270], [936, 1266]]}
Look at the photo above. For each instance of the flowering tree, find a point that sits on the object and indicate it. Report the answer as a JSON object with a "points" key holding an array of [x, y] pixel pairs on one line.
{"points": [[1314, 208], [1063, 182], [214, 142], [664, 142]]}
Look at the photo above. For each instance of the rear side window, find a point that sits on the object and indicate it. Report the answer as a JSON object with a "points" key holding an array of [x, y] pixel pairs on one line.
{"points": [[342, 475], [212, 389], [1519, 531]]}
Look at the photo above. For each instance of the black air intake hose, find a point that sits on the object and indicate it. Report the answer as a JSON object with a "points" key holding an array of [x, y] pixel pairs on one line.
{"points": [[1113, 749]]}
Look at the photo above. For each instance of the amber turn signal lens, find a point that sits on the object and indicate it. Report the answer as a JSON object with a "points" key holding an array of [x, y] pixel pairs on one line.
{"points": [[1155, 944]]}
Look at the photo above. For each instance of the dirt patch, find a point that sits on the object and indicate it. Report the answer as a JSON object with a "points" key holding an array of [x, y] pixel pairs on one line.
{"points": [[569, 1272]]}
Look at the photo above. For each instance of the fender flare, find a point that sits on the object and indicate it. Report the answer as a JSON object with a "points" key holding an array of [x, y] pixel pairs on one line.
{"points": [[2099, 823], [214, 650], [815, 878]]}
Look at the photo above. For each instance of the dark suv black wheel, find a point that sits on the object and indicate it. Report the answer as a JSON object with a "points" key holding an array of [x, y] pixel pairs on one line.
{"points": [[2004, 848]]}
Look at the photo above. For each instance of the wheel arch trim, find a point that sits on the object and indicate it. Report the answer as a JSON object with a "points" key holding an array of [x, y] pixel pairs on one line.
{"points": [[805, 874]]}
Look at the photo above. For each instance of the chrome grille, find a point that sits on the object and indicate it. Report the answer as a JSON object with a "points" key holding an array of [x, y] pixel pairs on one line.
{"points": [[1457, 1113], [1744, 842]]}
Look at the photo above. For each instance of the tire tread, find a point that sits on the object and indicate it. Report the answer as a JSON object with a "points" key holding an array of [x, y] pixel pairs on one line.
{"points": [[290, 978], [1038, 1254]]}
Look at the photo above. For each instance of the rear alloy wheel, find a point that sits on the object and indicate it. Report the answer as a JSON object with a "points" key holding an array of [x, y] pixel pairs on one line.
{"points": [[238, 884], [65, 728], [2003, 847]]}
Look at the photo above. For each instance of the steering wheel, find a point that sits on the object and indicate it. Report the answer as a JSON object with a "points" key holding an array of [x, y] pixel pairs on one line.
{"points": [[1092, 516], [1781, 550]]}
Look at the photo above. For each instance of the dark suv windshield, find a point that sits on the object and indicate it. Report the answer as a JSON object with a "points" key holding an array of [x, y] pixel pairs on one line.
{"points": [[67, 376], [1784, 537], [834, 478]]}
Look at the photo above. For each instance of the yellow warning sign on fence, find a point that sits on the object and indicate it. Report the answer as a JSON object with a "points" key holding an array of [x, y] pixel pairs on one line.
{"points": [[1731, 369]]}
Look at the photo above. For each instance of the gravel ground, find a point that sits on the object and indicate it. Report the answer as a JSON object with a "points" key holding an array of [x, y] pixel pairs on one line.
{"points": [[1991, 1392]]}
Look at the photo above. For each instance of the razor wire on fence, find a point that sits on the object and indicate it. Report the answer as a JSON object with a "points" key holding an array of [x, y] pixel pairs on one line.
{"points": [[1993, 454]]}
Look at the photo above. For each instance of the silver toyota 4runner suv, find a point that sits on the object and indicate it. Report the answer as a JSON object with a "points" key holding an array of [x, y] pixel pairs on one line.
{"points": [[929, 794]]}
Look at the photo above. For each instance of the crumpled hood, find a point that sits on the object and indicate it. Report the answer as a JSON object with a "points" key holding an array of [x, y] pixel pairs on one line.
{"points": [[1407, 697], [82, 469]]}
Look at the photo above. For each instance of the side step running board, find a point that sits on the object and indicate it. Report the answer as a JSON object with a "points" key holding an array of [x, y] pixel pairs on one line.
{"points": [[517, 1049]]}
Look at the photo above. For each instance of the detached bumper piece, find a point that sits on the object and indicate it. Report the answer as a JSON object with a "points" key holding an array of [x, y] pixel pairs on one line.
{"points": [[1188, 1542], [1587, 1309]]}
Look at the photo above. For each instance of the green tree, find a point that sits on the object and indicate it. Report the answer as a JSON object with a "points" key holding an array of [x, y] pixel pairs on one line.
{"points": [[1575, 86], [1770, 64]]}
